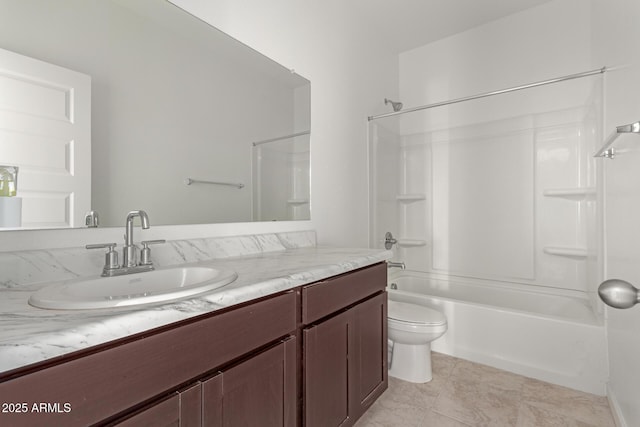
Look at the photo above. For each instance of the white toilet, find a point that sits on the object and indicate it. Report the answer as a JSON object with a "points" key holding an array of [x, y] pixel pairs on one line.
{"points": [[412, 327]]}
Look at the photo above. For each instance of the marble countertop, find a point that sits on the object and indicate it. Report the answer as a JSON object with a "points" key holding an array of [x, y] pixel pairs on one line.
{"points": [[30, 335]]}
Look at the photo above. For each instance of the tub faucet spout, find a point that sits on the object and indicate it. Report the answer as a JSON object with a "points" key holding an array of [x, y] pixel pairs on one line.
{"points": [[391, 264]]}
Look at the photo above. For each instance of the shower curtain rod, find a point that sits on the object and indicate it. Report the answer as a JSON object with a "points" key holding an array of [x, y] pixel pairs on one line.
{"points": [[496, 92]]}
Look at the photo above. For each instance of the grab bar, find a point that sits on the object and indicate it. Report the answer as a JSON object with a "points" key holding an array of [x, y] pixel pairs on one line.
{"points": [[280, 138], [608, 151], [189, 181]]}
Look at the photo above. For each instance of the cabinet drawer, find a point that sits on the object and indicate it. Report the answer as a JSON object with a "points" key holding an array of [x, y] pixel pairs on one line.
{"points": [[105, 383], [326, 297]]}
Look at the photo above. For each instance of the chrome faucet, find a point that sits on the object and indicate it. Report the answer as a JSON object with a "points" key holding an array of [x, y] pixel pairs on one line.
{"points": [[129, 250], [130, 262], [391, 264]]}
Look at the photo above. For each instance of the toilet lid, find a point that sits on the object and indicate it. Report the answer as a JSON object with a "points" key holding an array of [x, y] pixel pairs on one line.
{"points": [[412, 313]]}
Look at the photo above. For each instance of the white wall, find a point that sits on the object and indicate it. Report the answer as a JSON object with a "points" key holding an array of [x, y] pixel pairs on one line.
{"points": [[529, 46], [616, 40]]}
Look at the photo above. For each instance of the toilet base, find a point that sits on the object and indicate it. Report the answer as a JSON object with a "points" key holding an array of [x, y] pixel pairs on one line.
{"points": [[411, 362]]}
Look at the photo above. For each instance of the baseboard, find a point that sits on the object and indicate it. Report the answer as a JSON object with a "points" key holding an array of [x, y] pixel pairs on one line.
{"points": [[615, 408]]}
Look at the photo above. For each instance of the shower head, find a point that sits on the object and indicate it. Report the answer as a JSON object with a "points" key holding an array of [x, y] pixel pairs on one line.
{"points": [[397, 106]]}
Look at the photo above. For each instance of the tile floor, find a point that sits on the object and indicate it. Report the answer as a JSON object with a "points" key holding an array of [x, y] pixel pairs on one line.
{"points": [[464, 394]]}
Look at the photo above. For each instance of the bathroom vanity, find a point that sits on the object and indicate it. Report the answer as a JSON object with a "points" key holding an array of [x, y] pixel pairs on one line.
{"points": [[313, 354], [344, 335]]}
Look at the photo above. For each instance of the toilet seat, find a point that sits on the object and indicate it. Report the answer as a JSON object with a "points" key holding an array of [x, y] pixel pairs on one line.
{"points": [[412, 314]]}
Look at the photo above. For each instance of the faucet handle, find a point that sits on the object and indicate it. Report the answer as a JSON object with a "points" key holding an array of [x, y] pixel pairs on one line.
{"points": [[101, 245], [110, 257], [389, 241], [145, 253], [146, 243]]}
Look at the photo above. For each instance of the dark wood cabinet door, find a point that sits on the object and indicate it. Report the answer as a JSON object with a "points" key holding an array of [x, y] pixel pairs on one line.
{"points": [[327, 367], [345, 364], [191, 406], [370, 373], [180, 409], [260, 391], [165, 413]]}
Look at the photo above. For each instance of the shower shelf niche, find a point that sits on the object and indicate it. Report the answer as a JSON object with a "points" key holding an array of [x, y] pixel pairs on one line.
{"points": [[411, 197], [572, 252], [411, 243], [577, 193]]}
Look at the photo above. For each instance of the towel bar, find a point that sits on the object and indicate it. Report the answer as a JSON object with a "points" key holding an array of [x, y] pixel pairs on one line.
{"points": [[608, 151]]}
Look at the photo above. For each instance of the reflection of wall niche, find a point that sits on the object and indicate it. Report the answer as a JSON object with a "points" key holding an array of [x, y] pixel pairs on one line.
{"points": [[281, 179], [172, 98]]}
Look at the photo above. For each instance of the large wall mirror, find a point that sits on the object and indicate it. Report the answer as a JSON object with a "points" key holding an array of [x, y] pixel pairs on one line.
{"points": [[115, 105]]}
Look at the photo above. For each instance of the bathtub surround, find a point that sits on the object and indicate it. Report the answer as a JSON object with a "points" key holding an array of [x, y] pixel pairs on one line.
{"points": [[500, 196], [490, 189], [499, 199], [521, 162], [265, 264]]}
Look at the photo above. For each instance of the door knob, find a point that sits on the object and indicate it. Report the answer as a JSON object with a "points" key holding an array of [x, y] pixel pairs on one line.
{"points": [[619, 293]]}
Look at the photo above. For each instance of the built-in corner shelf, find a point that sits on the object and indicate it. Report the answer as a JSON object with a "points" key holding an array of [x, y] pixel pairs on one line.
{"points": [[411, 243], [298, 201], [577, 193], [572, 252], [410, 197]]}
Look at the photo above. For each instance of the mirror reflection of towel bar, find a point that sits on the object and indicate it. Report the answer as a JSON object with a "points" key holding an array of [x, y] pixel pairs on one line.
{"points": [[608, 151], [280, 138], [189, 181]]}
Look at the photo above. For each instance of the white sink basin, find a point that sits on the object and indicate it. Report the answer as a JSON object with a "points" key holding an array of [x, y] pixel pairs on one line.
{"points": [[131, 289]]}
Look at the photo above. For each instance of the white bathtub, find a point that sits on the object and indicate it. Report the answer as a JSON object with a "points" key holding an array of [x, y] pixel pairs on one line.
{"points": [[553, 338]]}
